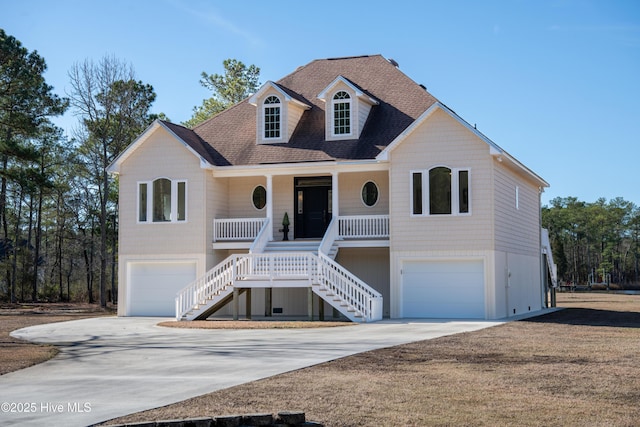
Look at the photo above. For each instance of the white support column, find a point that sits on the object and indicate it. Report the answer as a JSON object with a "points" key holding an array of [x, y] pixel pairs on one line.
{"points": [[335, 197], [270, 205]]}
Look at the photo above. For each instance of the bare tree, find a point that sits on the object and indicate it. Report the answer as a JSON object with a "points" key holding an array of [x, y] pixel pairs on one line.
{"points": [[113, 109]]}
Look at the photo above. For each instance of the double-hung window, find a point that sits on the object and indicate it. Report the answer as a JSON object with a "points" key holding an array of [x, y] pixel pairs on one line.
{"points": [[162, 200], [440, 191], [272, 117], [341, 113]]}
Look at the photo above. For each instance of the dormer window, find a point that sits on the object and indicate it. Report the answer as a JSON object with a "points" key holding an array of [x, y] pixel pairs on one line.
{"points": [[347, 109], [341, 113], [272, 117], [278, 111]]}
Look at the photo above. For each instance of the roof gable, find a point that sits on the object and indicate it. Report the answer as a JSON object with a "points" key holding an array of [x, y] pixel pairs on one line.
{"points": [[185, 136], [359, 92], [287, 95], [494, 149]]}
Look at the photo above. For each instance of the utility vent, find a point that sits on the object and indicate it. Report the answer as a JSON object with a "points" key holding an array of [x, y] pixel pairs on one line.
{"points": [[277, 310], [393, 62]]}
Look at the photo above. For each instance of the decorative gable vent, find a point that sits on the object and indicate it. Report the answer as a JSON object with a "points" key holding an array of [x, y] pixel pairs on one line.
{"points": [[277, 114], [347, 109]]}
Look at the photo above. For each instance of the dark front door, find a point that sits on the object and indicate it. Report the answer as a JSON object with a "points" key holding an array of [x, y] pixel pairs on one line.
{"points": [[312, 208]]}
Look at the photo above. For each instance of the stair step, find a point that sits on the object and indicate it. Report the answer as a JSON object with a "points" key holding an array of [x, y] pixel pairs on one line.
{"points": [[293, 246]]}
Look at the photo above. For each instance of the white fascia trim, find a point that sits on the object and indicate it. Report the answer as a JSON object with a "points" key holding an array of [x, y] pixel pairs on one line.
{"points": [[203, 163], [504, 156], [114, 167], [494, 149], [361, 95], [384, 154], [253, 100], [314, 168]]}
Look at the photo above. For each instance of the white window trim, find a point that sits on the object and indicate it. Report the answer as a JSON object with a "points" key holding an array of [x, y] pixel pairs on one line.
{"points": [[423, 181], [362, 188], [174, 197], [138, 185], [333, 115], [455, 192], [517, 198], [263, 137]]}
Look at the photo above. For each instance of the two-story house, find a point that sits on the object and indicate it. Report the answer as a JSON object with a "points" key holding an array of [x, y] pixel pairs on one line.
{"points": [[396, 206]]}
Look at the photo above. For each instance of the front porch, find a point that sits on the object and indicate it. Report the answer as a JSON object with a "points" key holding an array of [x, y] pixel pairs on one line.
{"points": [[351, 231]]}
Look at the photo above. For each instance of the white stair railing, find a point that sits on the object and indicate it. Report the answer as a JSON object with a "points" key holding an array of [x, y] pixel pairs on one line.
{"points": [[213, 282], [316, 269], [349, 288], [546, 250], [363, 226], [262, 238], [330, 236]]}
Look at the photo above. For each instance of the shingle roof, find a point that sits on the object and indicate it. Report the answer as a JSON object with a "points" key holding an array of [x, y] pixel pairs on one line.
{"points": [[229, 138]]}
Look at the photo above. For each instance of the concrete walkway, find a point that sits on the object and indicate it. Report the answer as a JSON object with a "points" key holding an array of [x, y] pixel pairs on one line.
{"points": [[109, 367]]}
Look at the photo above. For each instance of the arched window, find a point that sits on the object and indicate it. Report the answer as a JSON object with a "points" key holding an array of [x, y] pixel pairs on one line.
{"points": [[259, 197], [164, 198], [341, 113], [272, 117], [440, 191], [161, 200], [370, 193]]}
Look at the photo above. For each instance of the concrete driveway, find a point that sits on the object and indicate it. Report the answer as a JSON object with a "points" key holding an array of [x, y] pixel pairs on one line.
{"points": [[109, 367]]}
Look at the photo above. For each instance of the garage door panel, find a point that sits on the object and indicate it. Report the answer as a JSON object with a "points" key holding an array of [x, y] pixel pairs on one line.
{"points": [[443, 289], [153, 286]]}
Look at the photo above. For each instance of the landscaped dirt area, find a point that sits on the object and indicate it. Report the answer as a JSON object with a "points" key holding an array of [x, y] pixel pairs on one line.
{"points": [[574, 367]]}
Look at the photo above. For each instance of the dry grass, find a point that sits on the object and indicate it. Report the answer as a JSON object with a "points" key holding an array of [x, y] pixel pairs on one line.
{"points": [[575, 367]]}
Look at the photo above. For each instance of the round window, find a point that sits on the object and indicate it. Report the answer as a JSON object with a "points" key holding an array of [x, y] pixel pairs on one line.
{"points": [[370, 193], [259, 197]]}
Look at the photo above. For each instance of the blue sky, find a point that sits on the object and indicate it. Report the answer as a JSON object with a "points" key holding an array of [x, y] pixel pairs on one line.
{"points": [[556, 83]]}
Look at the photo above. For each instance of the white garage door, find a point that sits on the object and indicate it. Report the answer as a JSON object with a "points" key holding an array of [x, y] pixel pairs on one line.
{"points": [[443, 289], [153, 286]]}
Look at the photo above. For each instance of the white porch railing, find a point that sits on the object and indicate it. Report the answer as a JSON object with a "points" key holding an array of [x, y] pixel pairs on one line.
{"points": [[346, 227], [363, 226], [277, 266], [237, 228], [348, 293]]}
